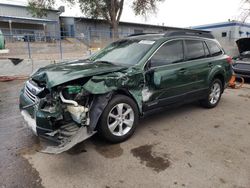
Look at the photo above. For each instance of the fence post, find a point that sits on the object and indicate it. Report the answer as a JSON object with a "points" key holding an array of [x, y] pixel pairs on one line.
{"points": [[60, 45], [28, 38]]}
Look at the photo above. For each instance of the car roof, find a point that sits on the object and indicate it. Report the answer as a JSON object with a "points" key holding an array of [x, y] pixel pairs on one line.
{"points": [[172, 33]]}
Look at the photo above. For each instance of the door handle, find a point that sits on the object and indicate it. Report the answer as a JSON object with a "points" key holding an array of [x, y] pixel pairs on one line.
{"points": [[183, 70], [210, 65]]}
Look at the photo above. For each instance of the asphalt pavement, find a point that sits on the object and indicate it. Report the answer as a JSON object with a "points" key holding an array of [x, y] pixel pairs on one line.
{"points": [[184, 147]]}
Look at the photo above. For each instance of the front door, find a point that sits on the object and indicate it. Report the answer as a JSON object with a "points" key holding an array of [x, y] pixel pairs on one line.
{"points": [[167, 77]]}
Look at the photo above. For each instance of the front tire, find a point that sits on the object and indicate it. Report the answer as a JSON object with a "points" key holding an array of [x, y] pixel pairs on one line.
{"points": [[214, 95], [119, 119]]}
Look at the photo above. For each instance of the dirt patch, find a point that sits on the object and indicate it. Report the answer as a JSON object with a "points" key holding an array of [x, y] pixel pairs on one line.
{"points": [[189, 153], [222, 180], [154, 132], [145, 154], [216, 126], [245, 96], [107, 150], [77, 149], [31, 150]]}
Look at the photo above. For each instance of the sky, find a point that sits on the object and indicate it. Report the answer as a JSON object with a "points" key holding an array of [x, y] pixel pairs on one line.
{"points": [[176, 13]]}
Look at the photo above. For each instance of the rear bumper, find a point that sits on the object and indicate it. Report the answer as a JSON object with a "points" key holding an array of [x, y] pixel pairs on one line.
{"points": [[242, 69], [242, 73]]}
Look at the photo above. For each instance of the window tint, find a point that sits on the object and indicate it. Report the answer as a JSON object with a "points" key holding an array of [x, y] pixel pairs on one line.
{"points": [[213, 48], [171, 52], [195, 49]]}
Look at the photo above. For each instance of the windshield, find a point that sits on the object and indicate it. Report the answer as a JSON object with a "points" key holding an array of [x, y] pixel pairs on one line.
{"points": [[124, 52]]}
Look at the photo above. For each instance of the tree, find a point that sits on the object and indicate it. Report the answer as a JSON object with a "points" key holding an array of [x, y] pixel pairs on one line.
{"points": [[244, 11], [110, 10], [39, 8]]}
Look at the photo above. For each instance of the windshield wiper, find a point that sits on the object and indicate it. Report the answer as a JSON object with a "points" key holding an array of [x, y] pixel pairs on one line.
{"points": [[107, 62]]}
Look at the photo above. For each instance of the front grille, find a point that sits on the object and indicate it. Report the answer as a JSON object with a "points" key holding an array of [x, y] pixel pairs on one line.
{"points": [[30, 91], [29, 94]]}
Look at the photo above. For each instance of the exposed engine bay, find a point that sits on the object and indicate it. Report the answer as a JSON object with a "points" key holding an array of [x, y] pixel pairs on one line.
{"points": [[64, 104], [65, 112]]}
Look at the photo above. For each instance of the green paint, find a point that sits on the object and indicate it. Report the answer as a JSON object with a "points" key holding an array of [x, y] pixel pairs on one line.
{"points": [[74, 89]]}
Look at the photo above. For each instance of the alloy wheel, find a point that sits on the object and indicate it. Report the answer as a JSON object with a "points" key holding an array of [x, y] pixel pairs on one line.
{"points": [[120, 119], [215, 93]]}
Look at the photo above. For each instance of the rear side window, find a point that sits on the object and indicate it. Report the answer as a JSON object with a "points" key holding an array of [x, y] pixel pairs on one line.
{"points": [[171, 52], [213, 48], [195, 49], [206, 49]]}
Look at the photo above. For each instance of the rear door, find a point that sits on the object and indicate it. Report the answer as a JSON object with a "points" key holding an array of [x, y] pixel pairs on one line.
{"points": [[198, 64]]}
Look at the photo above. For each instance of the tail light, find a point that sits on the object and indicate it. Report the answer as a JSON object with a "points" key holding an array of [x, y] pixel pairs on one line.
{"points": [[229, 60]]}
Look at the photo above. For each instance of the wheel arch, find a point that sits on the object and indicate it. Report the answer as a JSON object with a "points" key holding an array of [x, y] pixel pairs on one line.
{"points": [[217, 74], [130, 95], [221, 78]]}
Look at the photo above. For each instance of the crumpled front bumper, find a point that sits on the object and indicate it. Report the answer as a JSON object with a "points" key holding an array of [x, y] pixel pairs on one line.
{"points": [[40, 125], [35, 119], [31, 123]]}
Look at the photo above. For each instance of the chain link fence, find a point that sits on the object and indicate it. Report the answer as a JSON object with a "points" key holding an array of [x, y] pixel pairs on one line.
{"points": [[38, 45]]}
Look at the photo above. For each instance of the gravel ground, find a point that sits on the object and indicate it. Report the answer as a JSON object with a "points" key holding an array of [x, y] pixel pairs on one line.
{"points": [[184, 147]]}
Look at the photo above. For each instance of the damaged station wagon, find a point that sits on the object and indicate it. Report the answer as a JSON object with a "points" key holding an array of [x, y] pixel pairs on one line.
{"points": [[108, 93]]}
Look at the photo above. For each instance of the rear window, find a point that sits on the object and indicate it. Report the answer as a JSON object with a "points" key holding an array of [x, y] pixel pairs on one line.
{"points": [[195, 49], [213, 48]]}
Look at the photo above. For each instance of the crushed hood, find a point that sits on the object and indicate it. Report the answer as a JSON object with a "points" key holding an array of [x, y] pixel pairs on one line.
{"points": [[60, 73], [243, 44]]}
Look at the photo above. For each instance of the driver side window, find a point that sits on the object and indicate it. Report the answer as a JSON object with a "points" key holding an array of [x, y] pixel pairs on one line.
{"points": [[171, 52]]}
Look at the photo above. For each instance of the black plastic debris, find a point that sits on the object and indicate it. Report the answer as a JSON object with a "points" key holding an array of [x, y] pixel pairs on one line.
{"points": [[15, 61]]}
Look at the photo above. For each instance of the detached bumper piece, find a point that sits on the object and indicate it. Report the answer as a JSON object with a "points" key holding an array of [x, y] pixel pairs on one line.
{"points": [[68, 136]]}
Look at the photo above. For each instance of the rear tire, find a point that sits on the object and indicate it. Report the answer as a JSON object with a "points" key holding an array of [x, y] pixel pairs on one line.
{"points": [[214, 95], [119, 119]]}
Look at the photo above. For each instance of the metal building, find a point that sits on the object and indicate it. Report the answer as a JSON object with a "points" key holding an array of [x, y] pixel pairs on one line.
{"points": [[16, 21], [227, 33], [81, 26]]}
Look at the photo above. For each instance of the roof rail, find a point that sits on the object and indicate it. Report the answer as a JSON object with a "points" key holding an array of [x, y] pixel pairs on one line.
{"points": [[138, 34], [189, 32]]}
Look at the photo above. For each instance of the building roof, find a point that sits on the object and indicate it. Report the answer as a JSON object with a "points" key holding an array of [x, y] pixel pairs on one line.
{"points": [[26, 20], [221, 24]]}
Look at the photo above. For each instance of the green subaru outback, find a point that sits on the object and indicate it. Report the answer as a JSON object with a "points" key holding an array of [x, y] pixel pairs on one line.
{"points": [[130, 78]]}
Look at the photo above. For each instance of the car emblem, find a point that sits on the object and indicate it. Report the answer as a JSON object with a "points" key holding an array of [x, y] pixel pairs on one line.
{"points": [[33, 91]]}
